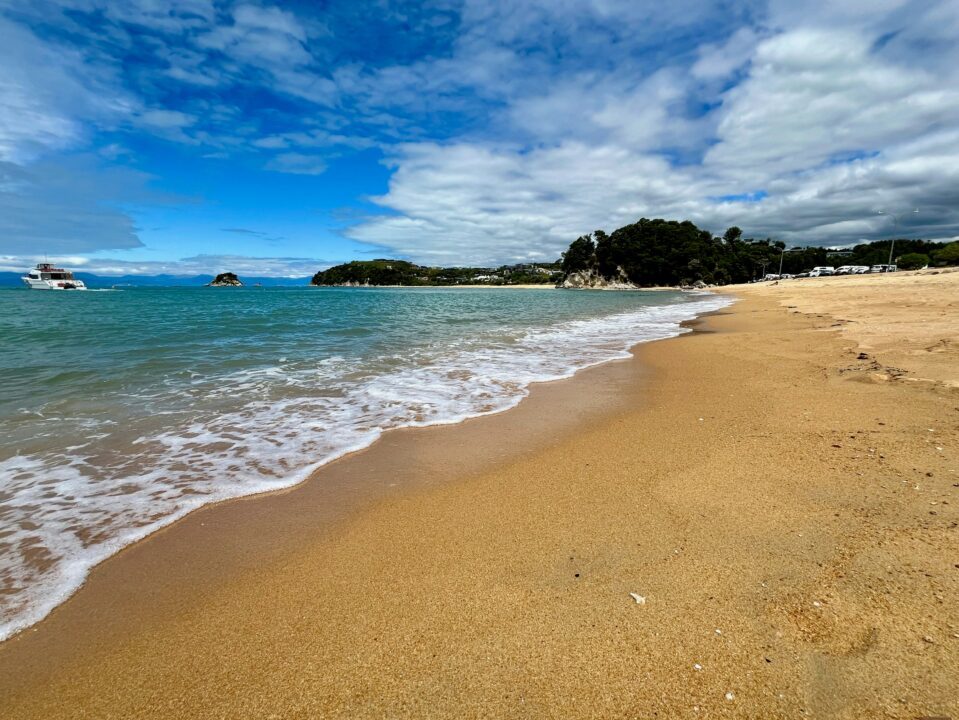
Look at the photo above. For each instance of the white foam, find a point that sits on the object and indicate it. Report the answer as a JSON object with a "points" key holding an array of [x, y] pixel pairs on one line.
{"points": [[295, 417]]}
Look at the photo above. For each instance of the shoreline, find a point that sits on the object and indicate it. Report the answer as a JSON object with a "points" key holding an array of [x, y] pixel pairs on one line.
{"points": [[349, 494], [306, 474], [231, 575]]}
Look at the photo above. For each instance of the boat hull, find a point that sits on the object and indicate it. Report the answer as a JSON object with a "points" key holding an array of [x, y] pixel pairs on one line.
{"points": [[35, 284]]}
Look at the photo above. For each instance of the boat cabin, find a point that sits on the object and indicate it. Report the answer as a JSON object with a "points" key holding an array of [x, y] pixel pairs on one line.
{"points": [[46, 271]]}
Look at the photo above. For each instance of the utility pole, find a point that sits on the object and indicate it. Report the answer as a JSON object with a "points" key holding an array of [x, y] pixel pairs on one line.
{"points": [[895, 225]]}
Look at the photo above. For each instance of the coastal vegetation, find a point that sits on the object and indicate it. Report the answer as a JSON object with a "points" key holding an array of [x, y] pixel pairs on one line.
{"points": [[648, 253], [667, 252], [401, 272], [949, 255]]}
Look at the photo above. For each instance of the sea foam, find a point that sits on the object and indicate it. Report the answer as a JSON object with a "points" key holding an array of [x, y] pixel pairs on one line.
{"points": [[252, 430]]}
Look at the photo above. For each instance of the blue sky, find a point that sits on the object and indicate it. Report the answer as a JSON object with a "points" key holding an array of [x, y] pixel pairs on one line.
{"points": [[274, 139]]}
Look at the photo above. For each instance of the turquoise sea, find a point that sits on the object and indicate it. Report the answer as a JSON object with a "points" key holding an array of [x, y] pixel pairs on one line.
{"points": [[122, 410]]}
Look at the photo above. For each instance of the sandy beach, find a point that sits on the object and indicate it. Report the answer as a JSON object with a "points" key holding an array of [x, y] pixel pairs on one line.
{"points": [[758, 519]]}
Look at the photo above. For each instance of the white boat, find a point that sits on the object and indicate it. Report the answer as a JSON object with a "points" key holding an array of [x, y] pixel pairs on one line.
{"points": [[47, 277]]}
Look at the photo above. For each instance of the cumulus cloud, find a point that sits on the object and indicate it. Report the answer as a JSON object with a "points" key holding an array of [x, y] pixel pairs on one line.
{"points": [[813, 94], [467, 203], [510, 128], [720, 60], [825, 126]]}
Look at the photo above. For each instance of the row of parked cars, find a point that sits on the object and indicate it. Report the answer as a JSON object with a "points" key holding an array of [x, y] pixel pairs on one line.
{"points": [[824, 270]]}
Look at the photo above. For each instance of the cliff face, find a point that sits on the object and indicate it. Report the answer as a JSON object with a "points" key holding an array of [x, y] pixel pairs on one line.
{"points": [[227, 279], [592, 280]]}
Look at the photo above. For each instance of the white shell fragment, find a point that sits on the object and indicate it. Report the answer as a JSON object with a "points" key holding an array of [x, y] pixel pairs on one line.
{"points": [[697, 666], [640, 599], [730, 696]]}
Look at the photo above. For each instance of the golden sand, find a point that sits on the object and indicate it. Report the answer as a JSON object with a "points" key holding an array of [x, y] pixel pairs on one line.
{"points": [[786, 508], [911, 319]]}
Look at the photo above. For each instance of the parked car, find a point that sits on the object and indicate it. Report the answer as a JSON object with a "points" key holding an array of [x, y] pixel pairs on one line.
{"points": [[824, 270], [883, 268]]}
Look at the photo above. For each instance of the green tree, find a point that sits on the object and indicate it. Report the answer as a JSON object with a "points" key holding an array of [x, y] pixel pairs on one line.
{"points": [[912, 261], [733, 234], [949, 255], [580, 255], [668, 252]]}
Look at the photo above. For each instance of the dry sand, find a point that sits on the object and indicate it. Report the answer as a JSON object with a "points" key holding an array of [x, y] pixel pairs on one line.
{"points": [[788, 510], [911, 319]]}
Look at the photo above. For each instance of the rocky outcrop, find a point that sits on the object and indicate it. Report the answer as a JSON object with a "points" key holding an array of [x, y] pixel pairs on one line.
{"points": [[227, 279], [591, 280]]}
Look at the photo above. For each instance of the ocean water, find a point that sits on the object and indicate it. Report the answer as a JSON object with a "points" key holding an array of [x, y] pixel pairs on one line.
{"points": [[121, 411]]}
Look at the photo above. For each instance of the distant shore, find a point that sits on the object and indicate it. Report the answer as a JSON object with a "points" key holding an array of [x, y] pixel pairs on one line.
{"points": [[531, 286], [757, 519]]}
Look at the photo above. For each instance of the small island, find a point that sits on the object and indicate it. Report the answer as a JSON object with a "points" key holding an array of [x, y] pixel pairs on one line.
{"points": [[226, 279]]}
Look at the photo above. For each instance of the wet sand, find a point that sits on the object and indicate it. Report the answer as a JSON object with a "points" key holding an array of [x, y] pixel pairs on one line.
{"points": [[787, 507]]}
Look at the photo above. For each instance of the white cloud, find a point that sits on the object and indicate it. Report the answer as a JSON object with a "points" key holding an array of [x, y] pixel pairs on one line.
{"points": [[164, 119], [297, 164], [268, 38], [271, 142], [830, 125], [175, 16], [465, 203], [717, 61], [48, 95], [538, 121], [813, 94]]}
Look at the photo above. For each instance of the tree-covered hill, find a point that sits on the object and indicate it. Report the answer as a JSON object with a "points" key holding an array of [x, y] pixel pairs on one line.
{"points": [[401, 272], [648, 253], [372, 272], [667, 252]]}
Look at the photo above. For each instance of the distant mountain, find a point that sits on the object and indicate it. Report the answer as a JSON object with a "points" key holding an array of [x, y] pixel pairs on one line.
{"points": [[12, 279]]}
